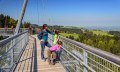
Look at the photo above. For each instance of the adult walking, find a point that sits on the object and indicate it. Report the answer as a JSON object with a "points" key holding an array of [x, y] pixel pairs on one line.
{"points": [[43, 37]]}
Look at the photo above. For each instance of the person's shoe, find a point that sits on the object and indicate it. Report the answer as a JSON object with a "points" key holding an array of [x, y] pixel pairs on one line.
{"points": [[49, 61], [53, 62], [43, 59]]}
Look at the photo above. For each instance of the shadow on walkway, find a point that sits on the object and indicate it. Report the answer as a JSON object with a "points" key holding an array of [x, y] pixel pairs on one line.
{"points": [[35, 58]]}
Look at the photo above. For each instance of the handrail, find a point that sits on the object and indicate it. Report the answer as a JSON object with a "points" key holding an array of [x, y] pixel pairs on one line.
{"points": [[77, 59], [10, 28], [11, 50], [103, 54], [2, 42]]}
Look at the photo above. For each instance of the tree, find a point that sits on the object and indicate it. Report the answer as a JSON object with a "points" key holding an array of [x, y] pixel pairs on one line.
{"points": [[101, 45], [115, 49], [6, 20], [71, 37], [26, 25], [2, 19], [111, 44]]}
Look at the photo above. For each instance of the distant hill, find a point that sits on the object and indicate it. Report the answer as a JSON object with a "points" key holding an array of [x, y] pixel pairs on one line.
{"points": [[34, 25], [109, 28], [73, 27]]}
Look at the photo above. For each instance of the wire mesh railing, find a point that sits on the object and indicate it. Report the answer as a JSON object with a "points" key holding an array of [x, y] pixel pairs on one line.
{"points": [[10, 31], [11, 50], [5, 32], [78, 57]]}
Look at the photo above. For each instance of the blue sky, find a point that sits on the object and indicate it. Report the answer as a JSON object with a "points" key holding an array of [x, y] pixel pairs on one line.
{"points": [[66, 12]]}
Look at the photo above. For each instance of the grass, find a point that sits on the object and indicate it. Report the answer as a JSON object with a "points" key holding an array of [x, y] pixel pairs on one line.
{"points": [[66, 34], [94, 32], [101, 33]]}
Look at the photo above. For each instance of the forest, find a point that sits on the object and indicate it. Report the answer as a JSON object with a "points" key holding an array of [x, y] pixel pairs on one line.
{"points": [[7, 21]]}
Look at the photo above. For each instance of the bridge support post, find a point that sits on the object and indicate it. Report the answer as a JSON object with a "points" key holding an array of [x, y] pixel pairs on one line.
{"points": [[77, 66], [21, 17], [85, 60], [12, 52]]}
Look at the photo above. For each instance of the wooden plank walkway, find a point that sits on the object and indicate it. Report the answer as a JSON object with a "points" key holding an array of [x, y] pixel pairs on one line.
{"points": [[31, 61]]}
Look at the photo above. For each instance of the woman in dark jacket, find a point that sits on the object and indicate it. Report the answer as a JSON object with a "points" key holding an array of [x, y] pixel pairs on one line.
{"points": [[43, 37]]}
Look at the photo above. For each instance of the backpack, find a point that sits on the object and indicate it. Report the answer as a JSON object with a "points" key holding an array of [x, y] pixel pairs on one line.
{"points": [[40, 36]]}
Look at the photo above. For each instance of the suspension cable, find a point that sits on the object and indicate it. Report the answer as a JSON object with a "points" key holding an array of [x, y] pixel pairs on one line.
{"points": [[44, 9], [38, 10]]}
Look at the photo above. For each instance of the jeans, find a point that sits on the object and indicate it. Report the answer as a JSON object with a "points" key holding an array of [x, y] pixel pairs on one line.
{"points": [[43, 44], [58, 53]]}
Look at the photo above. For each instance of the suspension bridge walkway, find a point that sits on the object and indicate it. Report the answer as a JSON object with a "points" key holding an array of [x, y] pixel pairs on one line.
{"points": [[20, 52]]}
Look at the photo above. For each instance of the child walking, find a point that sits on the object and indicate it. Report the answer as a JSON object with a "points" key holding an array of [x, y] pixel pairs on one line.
{"points": [[56, 37], [52, 52]]}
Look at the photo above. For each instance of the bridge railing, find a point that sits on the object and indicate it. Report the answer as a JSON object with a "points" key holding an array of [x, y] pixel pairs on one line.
{"points": [[11, 49], [9, 31], [78, 57]]}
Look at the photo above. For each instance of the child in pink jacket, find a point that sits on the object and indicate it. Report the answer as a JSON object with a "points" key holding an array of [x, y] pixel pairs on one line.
{"points": [[52, 52]]}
